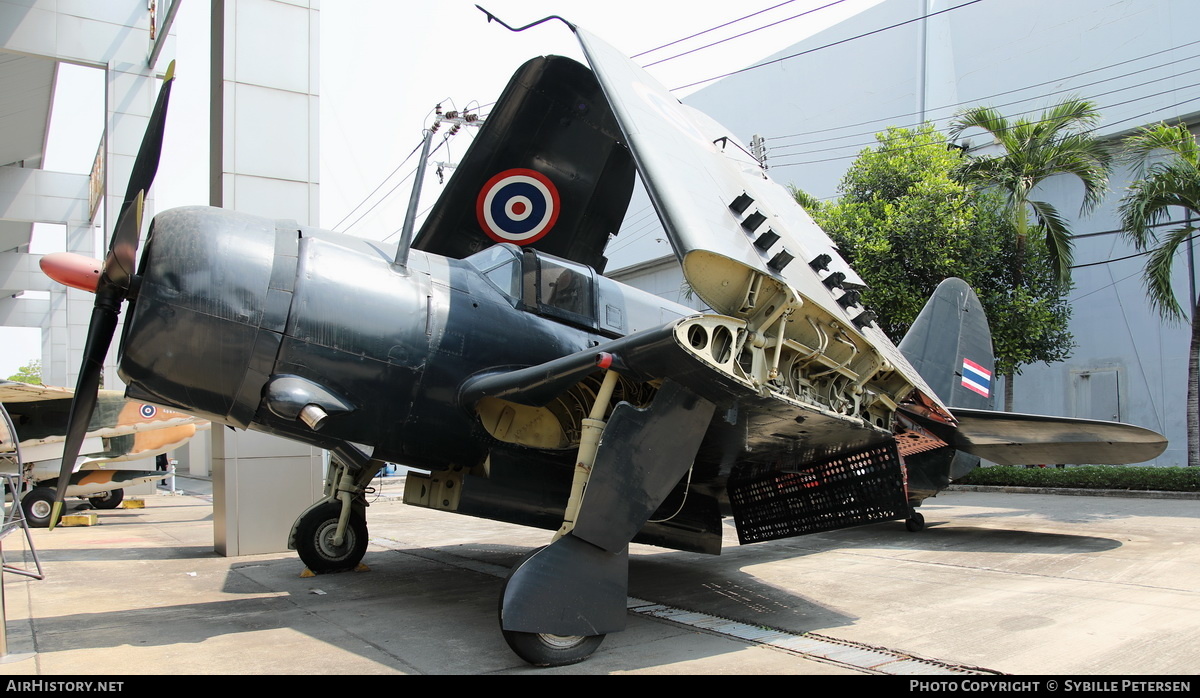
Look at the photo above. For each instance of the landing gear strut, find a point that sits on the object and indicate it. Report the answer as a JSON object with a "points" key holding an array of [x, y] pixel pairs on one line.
{"points": [[915, 522], [331, 535]]}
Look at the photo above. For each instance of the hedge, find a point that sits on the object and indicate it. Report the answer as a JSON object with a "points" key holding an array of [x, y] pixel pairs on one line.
{"points": [[1095, 477]]}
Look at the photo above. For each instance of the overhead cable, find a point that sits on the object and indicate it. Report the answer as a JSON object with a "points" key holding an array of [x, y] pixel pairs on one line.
{"points": [[745, 33], [829, 45], [712, 29], [1001, 94]]}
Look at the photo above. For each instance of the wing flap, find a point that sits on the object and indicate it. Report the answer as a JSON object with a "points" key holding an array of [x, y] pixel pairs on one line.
{"points": [[1023, 439]]}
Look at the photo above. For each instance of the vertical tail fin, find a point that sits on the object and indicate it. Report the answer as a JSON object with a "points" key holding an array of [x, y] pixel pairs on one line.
{"points": [[950, 345]]}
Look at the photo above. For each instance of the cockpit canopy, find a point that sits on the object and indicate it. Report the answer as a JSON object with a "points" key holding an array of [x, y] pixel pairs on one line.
{"points": [[571, 293]]}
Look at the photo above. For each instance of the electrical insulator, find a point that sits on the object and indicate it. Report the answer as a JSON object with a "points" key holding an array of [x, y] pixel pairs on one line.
{"points": [[454, 129], [452, 115], [471, 117], [438, 110]]}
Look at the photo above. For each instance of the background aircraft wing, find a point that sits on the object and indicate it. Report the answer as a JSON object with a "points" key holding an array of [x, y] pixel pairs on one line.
{"points": [[12, 391]]}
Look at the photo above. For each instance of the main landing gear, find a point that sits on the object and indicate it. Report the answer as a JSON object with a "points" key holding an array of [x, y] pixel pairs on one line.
{"points": [[545, 649], [331, 535], [37, 504], [107, 500], [317, 543], [559, 602]]}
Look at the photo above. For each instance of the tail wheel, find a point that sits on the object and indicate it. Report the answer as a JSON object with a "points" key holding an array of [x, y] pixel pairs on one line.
{"points": [[915, 522], [107, 500], [545, 649], [315, 534]]}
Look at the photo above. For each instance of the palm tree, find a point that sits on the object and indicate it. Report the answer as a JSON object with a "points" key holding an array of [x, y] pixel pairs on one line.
{"points": [[1160, 185], [1059, 142]]}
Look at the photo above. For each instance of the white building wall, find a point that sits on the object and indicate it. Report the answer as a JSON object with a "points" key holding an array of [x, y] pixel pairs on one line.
{"points": [[113, 36]]}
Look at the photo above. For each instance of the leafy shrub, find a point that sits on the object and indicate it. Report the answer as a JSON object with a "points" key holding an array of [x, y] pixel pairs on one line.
{"points": [[1093, 477]]}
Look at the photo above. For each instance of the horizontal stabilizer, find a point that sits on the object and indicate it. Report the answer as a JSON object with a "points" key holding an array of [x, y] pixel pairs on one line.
{"points": [[1025, 439]]}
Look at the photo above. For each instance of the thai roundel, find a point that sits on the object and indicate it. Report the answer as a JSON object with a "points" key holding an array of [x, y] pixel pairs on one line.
{"points": [[518, 206], [148, 411]]}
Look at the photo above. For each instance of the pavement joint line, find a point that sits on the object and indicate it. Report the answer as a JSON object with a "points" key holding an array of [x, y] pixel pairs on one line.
{"points": [[880, 660]]}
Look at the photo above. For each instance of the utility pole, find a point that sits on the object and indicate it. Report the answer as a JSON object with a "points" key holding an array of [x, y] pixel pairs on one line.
{"points": [[758, 150]]}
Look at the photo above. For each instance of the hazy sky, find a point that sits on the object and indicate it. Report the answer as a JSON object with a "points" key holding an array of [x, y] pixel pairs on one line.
{"points": [[385, 64]]}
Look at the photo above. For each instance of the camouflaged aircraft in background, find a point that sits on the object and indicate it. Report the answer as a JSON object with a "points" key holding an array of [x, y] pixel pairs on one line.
{"points": [[120, 430]]}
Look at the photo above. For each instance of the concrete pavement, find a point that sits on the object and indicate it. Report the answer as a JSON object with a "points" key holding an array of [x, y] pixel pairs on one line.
{"points": [[1012, 583]]}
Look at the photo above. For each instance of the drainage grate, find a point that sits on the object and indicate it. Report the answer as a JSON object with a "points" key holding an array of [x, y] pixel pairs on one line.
{"points": [[876, 660]]}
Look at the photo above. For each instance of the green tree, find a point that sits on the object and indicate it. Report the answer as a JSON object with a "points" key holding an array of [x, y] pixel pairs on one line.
{"points": [[1162, 183], [29, 373], [905, 224], [1058, 142]]}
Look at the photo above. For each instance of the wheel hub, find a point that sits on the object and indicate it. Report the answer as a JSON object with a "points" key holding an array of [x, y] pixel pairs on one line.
{"points": [[325, 545], [40, 509], [561, 641]]}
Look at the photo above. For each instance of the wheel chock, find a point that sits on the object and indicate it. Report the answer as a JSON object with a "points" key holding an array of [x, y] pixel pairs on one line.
{"points": [[83, 519]]}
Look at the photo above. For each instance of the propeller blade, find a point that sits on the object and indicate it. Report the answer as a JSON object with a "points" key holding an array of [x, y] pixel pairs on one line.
{"points": [[122, 251], [146, 164], [100, 333], [111, 289]]}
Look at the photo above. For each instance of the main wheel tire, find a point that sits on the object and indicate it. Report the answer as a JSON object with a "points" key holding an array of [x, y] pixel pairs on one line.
{"points": [[37, 504], [107, 500], [314, 539], [915, 522], [545, 649]]}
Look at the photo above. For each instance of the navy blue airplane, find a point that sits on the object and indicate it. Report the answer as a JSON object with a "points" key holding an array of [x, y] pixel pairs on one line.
{"points": [[492, 354]]}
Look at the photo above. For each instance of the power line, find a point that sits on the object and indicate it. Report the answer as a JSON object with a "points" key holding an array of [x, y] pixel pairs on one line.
{"points": [[397, 169], [1106, 125], [835, 43], [1001, 94], [712, 29], [1005, 104], [745, 33], [1020, 114], [420, 167], [379, 186]]}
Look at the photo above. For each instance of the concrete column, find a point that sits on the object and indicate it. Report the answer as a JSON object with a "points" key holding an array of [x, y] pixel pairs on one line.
{"points": [[263, 161]]}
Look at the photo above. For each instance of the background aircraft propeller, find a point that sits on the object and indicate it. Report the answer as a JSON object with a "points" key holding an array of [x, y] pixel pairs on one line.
{"points": [[112, 289]]}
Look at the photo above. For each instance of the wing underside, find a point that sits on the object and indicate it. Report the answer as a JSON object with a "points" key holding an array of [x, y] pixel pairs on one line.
{"points": [[747, 249]]}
